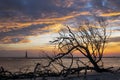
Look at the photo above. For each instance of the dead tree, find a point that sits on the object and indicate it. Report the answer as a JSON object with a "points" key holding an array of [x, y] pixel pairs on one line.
{"points": [[89, 39]]}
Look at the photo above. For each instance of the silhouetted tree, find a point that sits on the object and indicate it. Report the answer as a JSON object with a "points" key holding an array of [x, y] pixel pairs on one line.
{"points": [[89, 39]]}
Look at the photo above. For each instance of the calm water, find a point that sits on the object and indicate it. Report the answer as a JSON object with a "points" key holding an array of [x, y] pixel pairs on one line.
{"points": [[15, 65]]}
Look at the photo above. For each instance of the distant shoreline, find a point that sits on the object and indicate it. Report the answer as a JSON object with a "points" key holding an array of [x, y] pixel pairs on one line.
{"points": [[46, 57]]}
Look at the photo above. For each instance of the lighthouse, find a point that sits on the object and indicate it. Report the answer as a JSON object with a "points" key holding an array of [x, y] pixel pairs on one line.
{"points": [[26, 55]]}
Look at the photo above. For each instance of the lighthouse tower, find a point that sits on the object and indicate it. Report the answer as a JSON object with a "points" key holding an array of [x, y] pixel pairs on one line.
{"points": [[26, 55]]}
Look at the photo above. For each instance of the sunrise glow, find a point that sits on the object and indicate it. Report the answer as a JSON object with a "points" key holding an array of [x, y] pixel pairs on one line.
{"points": [[31, 26]]}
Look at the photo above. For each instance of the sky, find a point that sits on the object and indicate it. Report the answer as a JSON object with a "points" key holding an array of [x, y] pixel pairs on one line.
{"points": [[31, 24]]}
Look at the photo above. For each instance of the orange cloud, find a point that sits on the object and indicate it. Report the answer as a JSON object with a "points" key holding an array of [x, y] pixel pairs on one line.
{"points": [[14, 25], [110, 14], [14, 39]]}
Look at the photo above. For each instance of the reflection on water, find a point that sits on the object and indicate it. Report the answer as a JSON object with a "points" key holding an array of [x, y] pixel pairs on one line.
{"points": [[15, 65]]}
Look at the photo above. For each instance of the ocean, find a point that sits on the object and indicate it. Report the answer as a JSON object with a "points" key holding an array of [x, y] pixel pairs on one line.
{"points": [[22, 64]]}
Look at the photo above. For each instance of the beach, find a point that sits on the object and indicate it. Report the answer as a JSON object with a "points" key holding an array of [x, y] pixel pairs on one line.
{"points": [[27, 65], [89, 76]]}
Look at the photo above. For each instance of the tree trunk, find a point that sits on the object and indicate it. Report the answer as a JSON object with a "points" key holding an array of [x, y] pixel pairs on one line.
{"points": [[96, 66]]}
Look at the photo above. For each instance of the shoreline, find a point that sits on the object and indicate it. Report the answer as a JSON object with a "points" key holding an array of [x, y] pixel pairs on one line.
{"points": [[45, 57]]}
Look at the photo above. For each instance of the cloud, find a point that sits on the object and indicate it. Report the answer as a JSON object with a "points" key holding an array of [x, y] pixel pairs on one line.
{"points": [[24, 27], [21, 23], [111, 14], [34, 9], [117, 29], [46, 8], [22, 18], [26, 31], [14, 39], [25, 10], [114, 39]]}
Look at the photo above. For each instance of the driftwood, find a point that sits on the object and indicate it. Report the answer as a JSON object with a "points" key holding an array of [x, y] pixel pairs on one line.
{"points": [[5, 75]]}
